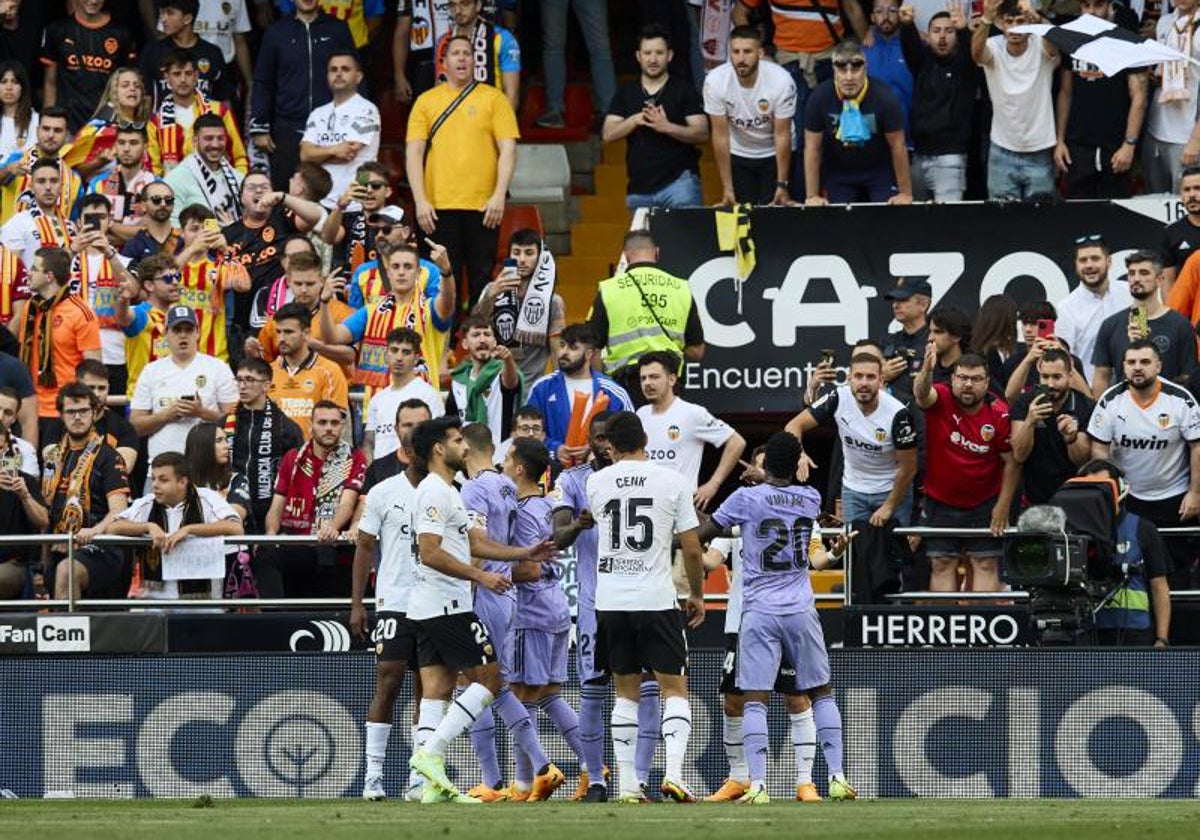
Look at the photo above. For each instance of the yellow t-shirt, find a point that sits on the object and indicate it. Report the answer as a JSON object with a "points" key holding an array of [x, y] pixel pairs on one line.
{"points": [[460, 171]]}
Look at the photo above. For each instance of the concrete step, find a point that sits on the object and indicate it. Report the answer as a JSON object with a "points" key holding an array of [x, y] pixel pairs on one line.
{"points": [[610, 179], [578, 278], [601, 240]]}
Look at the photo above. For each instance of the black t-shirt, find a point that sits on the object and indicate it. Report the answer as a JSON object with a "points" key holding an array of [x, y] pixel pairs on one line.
{"points": [[944, 91], [14, 520], [880, 110], [85, 56], [1099, 106], [912, 347], [1172, 334], [259, 250], [1049, 465], [380, 470], [1014, 361], [107, 477], [653, 159], [210, 69], [1181, 238], [358, 243]]}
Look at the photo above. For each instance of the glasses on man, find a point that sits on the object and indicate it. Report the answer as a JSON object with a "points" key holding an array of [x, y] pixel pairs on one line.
{"points": [[970, 380], [172, 278], [386, 230], [77, 412], [850, 64], [376, 185], [529, 428], [162, 200]]}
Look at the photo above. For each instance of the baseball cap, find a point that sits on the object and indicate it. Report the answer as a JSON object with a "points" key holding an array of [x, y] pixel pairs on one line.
{"points": [[390, 215], [907, 287], [181, 315]]}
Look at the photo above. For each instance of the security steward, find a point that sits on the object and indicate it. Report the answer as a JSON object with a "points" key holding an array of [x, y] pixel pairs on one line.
{"points": [[644, 309]]}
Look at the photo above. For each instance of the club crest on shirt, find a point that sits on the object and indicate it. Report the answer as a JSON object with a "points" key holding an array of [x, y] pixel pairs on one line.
{"points": [[880, 435], [673, 433], [203, 66], [201, 381], [1164, 420], [763, 106], [110, 45], [987, 431]]}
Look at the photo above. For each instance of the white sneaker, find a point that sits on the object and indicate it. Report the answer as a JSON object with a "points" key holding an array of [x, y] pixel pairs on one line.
{"points": [[416, 789], [373, 789]]}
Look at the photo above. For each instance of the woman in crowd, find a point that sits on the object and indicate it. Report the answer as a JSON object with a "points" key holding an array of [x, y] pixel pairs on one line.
{"points": [[124, 103], [995, 336], [18, 125], [208, 453]]}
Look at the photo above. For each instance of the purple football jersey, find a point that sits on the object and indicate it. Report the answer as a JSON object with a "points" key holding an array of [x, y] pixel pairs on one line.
{"points": [[571, 489], [776, 523], [491, 500], [541, 604]]}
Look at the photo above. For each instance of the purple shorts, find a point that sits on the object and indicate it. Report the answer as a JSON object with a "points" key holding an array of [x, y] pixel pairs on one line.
{"points": [[585, 646], [539, 657], [766, 639], [497, 615]]}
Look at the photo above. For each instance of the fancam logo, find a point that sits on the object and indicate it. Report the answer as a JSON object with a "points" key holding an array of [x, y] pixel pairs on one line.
{"points": [[64, 634], [335, 638]]}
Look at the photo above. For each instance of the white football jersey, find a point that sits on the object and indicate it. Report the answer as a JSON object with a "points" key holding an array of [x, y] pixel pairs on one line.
{"points": [[440, 511], [675, 438], [1148, 442], [639, 507], [869, 441], [389, 518]]}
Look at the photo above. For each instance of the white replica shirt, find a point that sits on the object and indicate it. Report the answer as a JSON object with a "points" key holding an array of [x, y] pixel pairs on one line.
{"points": [[751, 111], [219, 20], [389, 518], [215, 508], [381, 412], [675, 438], [1148, 442], [869, 441], [639, 507], [356, 120], [164, 383], [440, 511], [20, 235]]}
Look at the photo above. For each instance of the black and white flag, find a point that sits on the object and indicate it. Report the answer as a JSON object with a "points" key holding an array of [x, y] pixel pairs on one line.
{"points": [[1102, 43]]}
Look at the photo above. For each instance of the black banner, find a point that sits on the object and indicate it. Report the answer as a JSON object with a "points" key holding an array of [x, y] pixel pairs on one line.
{"points": [[77, 633], [943, 627], [821, 274]]}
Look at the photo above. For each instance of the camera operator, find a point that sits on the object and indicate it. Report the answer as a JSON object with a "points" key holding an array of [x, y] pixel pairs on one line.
{"points": [[1048, 424], [1137, 613]]}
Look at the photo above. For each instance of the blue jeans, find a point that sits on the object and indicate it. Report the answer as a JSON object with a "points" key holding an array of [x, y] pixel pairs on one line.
{"points": [[1017, 176], [684, 191], [859, 506], [593, 21]]}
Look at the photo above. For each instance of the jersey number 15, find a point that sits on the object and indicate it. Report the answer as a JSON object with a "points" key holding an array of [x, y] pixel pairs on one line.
{"points": [[637, 528]]}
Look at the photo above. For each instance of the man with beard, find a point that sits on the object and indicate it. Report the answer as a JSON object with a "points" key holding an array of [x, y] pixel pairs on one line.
{"points": [[17, 174], [1171, 333], [1150, 428], [1048, 424], [752, 144], [970, 473], [299, 377], [343, 133], [170, 127], [878, 439], [486, 387], [661, 117], [123, 185], [860, 153], [144, 324], [576, 381], [884, 52], [157, 233], [526, 313], [945, 83], [1094, 299], [497, 55], [206, 176], [574, 526], [1181, 238]]}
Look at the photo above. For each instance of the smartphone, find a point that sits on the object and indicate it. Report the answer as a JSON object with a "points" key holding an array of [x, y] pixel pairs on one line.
{"points": [[510, 267], [1045, 327], [212, 225], [92, 221], [362, 178], [828, 357], [828, 520], [1137, 316], [189, 397], [1040, 390]]}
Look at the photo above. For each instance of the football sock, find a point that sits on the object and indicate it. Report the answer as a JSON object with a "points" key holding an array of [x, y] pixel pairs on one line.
{"points": [[754, 727], [376, 747], [516, 720], [676, 730], [649, 731], [804, 742], [829, 730], [567, 723], [625, 738], [483, 741], [591, 729], [735, 750], [461, 715]]}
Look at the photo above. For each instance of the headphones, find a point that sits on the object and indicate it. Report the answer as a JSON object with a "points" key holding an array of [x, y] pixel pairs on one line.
{"points": [[1114, 472]]}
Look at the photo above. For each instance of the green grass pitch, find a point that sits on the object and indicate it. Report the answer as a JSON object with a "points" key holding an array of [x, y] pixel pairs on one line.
{"points": [[334, 819]]}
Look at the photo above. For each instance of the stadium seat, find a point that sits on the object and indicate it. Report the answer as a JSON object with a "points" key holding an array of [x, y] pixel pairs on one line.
{"points": [[577, 106], [543, 174], [393, 118], [516, 217]]}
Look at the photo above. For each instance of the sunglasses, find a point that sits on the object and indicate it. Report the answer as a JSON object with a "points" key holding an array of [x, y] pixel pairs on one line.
{"points": [[125, 125], [855, 63], [171, 278], [162, 200], [376, 185], [386, 230], [1091, 237]]}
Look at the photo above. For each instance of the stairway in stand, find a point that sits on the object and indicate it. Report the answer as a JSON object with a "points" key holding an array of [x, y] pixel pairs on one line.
{"points": [[596, 237]]}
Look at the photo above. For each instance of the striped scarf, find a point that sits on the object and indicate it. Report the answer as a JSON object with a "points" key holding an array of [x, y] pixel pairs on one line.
{"points": [[40, 359], [101, 291], [372, 285], [79, 484], [389, 314], [173, 137], [52, 231]]}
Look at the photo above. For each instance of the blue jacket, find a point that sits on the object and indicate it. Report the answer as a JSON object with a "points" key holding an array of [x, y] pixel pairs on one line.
{"points": [[290, 71], [549, 395]]}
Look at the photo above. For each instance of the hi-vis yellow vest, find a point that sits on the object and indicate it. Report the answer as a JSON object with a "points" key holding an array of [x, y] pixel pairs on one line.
{"points": [[632, 329]]}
